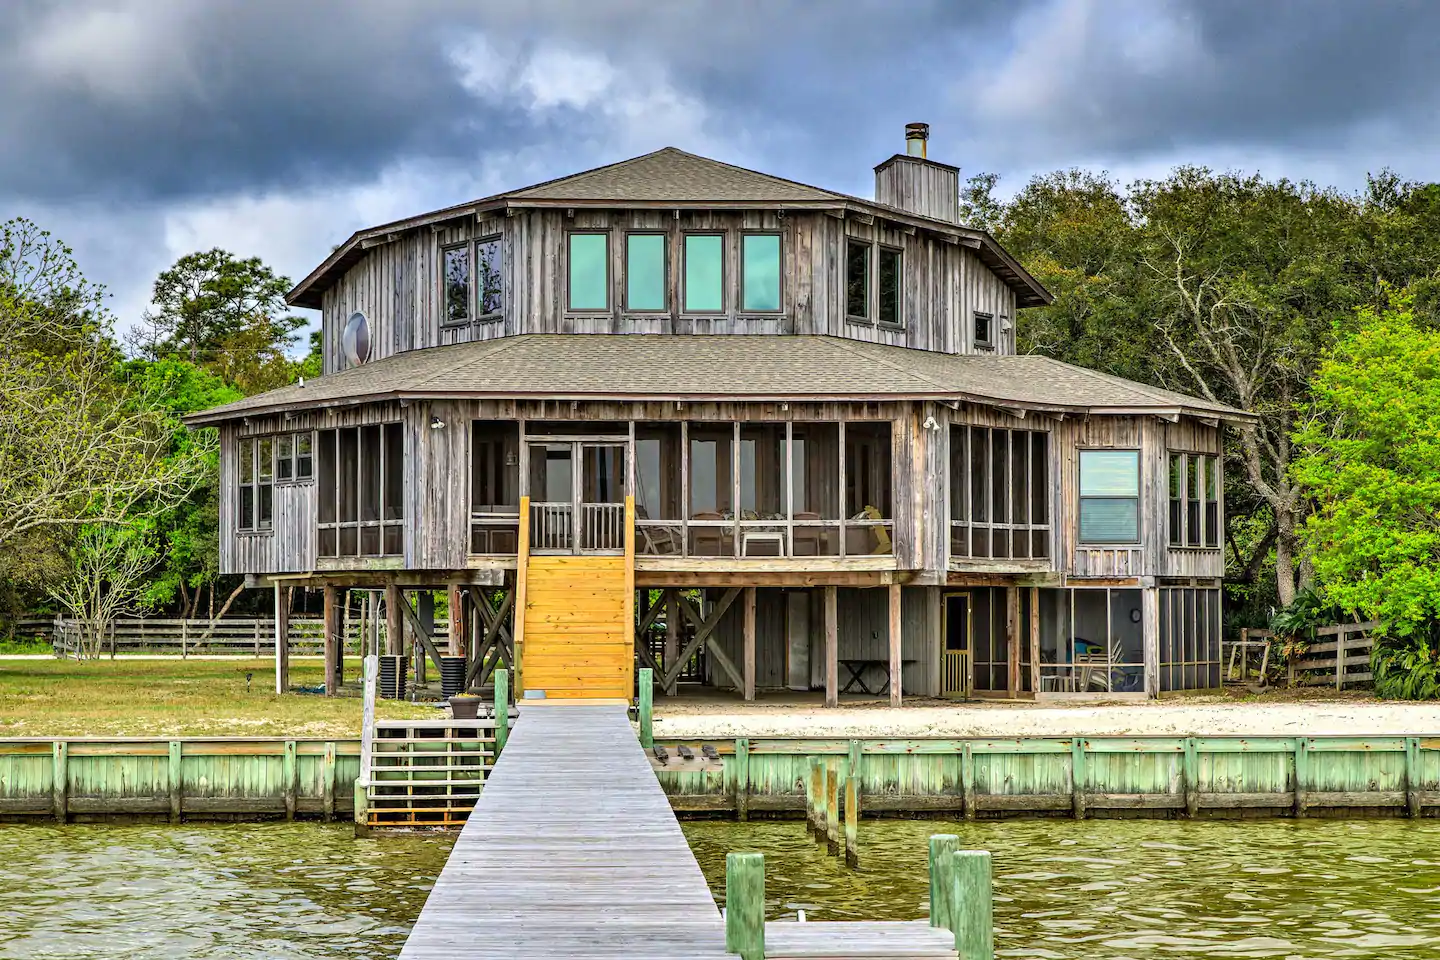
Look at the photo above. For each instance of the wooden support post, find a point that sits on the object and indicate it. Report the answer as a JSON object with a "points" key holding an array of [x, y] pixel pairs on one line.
{"points": [[174, 780], [967, 779], [327, 783], [646, 707], [749, 652], [745, 905], [502, 710], [852, 821], [1340, 638], [942, 878], [424, 627], [1192, 778], [60, 779], [1012, 642], [832, 808], [672, 639], [1077, 777], [185, 637], [817, 793], [394, 621], [334, 640], [832, 648], [742, 778], [896, 661], [972, 905], [291, 768], [282, 639], [1302, 775], [455, 603]]}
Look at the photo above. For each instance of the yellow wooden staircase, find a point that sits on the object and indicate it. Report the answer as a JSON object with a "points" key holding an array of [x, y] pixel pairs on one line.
{"points": [[575, 625]]}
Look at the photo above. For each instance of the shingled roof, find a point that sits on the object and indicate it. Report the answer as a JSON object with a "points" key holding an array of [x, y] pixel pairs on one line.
{"points": [[742, 367], [670, 177]]}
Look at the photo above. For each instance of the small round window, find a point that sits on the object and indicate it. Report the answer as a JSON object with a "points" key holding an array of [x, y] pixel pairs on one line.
{"points": [[356, 339]]}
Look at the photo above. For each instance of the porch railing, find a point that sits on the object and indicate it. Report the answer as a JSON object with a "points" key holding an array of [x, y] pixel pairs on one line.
{"points": [[552, 526], [602, 526]]}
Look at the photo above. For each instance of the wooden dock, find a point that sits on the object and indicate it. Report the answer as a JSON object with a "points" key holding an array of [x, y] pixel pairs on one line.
{"points": [[573, 851]]}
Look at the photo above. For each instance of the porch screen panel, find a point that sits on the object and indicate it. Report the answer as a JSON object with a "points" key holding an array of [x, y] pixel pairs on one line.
{"points": [[361, 486], [815, 470], [868, 506], [712, 505], [762, 490], [659, 517], [999, 493], [1190, 650]]}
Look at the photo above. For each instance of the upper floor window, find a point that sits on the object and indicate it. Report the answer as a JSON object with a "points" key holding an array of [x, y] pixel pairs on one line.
{"points": [[483, 284], [257, 485], [1109, 496], [999, 493], [760, 272], [891, 278], [488, 298], [873, 298], [456, 264], [589, 271], [704, 273], [985, 330], [857, 280], [1194, 500], [645, 272]]}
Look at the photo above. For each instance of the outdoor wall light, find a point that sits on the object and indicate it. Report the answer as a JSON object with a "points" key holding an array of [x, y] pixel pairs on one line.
{"points": [[436, 423]]}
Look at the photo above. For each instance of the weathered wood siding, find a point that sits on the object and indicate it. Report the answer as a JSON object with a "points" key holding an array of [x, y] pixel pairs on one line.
{"points": [[919, 186], [397, 285]]}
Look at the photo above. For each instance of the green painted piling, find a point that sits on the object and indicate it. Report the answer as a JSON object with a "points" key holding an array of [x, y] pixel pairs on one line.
{"points": [[647, 707], [60, 779], [362, 805], [972, 905], [942, 872], [745, 905], [502, 709]]}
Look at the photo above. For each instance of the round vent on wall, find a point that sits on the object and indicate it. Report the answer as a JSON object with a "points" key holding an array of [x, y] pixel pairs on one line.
{"points": [[355, 341]]}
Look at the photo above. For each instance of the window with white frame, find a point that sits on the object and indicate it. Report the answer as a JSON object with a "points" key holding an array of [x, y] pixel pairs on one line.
{"points": [[985, 332]]}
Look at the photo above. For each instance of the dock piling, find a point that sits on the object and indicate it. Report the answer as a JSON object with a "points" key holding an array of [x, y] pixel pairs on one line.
{"points": [[817, 800], [972, 904], [942, 871], [852, 821], [502, 709], [832, 808], [646, 707], [745, 905]]}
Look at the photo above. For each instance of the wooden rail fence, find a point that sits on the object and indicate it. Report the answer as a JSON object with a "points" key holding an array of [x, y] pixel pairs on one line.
{"points": [[241, 636], [1340, 657]]}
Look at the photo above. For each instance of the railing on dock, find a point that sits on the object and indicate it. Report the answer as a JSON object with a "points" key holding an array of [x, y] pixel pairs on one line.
{"points": [[428, 773]]}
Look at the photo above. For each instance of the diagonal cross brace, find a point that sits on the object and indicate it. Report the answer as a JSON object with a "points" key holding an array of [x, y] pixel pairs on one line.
{"points": [[703, 629]]}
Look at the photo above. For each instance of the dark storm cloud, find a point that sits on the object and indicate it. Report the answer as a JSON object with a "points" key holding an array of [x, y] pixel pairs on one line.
{"points": [[176, 99]]}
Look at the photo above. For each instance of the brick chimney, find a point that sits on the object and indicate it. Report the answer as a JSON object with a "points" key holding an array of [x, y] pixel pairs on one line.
{"points": [[917, 184]]}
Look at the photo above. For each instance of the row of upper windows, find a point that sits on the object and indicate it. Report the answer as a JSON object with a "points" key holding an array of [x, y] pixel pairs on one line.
{"points": [[704, 286]]}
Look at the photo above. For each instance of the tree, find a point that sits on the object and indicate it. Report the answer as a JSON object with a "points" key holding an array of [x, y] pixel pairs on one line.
{"points": [[76, 448], [1371, 463], [225, 314], [110, 566]]}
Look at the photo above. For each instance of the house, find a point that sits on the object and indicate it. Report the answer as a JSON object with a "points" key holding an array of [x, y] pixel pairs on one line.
{"points": [[753, 433]]}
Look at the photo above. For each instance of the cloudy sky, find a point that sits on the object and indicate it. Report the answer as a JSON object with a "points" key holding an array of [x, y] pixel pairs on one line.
{"points": [[140, 130]]}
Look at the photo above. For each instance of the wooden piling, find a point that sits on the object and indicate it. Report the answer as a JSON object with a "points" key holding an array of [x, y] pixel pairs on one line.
{"points": [[942, 871], [646, 707], [972, 905], [817, 797], [362, 811], [742, 779], [175, 785], [502, 710], [60, 779], [832, 808], [745, 905], [852, 821]]}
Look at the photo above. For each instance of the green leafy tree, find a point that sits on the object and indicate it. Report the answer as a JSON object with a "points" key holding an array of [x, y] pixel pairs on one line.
{"points": [[225, 314], [1372, 466]]}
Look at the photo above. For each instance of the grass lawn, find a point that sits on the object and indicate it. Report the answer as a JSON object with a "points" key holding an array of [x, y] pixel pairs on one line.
{"points": [[142, 698]]}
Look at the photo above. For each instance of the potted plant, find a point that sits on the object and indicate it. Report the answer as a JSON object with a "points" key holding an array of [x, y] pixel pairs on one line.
{"points": [[465, 706]]}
